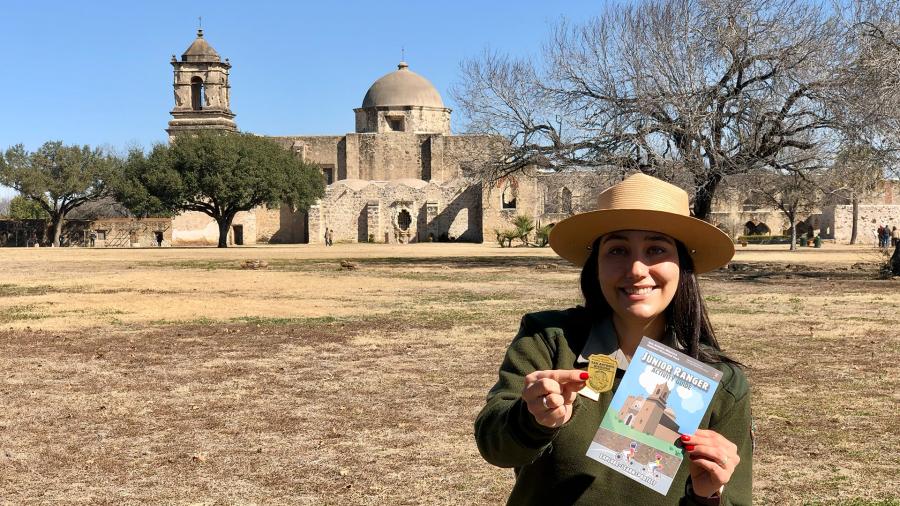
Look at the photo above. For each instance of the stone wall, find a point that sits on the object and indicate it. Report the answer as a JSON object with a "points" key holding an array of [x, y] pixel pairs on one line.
{"points": [[280, 226], [527, 192], [465, 155], [887, 193], [870, 218], [410, 210], [391, 155], [108, 232], [564, 194], [129, 232], [197, 229], [396, 155], [324, 150], [414, 119]]}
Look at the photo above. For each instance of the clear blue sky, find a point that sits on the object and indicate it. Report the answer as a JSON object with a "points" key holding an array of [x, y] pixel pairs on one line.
{"points": [[98, 72]]}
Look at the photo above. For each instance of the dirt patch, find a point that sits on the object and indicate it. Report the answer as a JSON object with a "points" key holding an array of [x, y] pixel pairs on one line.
{"points": [[181, 378]]}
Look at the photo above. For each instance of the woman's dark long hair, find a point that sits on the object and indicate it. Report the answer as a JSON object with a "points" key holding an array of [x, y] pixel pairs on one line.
{"points": [[685, 315]]}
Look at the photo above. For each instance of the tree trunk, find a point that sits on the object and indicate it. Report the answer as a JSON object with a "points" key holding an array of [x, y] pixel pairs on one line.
{"points": [[224, 223], [854, 229], [793, 233], [704, 197], [56, 225]]}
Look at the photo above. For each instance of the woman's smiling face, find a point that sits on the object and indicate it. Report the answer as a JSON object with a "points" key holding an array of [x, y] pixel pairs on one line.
{"points": [[638, 273]]}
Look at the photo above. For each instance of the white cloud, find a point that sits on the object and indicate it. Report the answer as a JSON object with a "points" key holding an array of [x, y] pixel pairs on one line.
{"points": [[691, 403], [684, 393], [649, 380]]}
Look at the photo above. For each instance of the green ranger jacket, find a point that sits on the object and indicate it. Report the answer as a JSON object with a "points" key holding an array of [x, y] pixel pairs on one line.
{"points": [[550, 463]]}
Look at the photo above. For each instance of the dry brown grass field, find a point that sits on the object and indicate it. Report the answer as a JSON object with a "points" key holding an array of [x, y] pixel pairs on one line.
{"points": [[172, 376]]}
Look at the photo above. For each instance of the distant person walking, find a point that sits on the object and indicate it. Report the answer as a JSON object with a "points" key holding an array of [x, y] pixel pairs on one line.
{"points": [[329, 237], [895, 236]]}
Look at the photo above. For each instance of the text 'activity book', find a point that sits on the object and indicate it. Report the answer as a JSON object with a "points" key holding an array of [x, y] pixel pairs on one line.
{"points": [[663, 394]]}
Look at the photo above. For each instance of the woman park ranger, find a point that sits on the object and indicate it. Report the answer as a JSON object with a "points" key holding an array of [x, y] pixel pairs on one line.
{"points": [[640, 253]]}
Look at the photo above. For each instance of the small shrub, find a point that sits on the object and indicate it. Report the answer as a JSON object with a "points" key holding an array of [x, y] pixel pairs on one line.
{"points": [[506, 237], [524, 226], [542, 236], [763, 239]]}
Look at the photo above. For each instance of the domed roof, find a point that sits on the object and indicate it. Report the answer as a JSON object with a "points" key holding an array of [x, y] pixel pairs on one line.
{"points": [[402, 87], [200, 50], [417, 184]]}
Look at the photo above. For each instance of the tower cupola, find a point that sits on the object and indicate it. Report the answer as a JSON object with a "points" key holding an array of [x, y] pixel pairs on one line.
{"points": [[202, 92]]}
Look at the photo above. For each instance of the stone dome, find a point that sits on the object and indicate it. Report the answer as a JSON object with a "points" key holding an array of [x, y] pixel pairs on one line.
{"points": [[200, 50], [403, 87], [417, 184]]}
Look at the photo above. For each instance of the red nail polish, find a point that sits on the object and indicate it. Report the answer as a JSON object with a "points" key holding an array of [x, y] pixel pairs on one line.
{"points": [[584, 376], [685, 437], [689, 448]]}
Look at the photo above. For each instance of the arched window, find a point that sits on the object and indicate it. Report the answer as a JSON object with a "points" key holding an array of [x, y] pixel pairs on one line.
{"points": [[197, 93], [565, 201], [508, 198]]}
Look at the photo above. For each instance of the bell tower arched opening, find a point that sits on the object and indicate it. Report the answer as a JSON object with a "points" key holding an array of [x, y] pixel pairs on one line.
{"points": [[196, 93]]}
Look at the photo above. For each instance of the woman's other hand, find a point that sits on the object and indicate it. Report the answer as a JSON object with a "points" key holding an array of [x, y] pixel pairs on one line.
{"points": [[713, 460], [549, 395]]}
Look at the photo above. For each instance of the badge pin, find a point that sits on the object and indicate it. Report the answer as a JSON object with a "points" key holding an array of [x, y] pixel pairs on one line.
{"points": [[602, 372]]}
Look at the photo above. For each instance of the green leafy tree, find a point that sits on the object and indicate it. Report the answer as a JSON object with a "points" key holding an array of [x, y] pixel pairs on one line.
{"points": [[21, 208], [57, 177], [217, 174]]}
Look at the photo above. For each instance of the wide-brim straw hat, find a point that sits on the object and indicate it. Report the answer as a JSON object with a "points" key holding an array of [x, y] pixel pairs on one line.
{"points": [[642, 202]]}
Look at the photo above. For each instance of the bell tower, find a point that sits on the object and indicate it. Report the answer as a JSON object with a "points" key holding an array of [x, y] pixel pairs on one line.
{"points": [[202, 92]]}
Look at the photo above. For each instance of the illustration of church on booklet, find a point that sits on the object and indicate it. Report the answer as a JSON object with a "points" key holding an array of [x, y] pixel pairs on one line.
{"points": [[651, 415]]}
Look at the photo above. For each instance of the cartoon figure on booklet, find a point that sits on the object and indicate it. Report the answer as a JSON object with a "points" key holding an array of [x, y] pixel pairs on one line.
{"points": [[629, 453]]}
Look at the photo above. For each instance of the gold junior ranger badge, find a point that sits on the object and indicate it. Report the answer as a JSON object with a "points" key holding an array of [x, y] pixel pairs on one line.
{"points": [[602, 371]]}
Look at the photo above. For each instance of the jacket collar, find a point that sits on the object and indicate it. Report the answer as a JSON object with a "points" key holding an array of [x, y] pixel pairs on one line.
{"points": [[603, 339]]}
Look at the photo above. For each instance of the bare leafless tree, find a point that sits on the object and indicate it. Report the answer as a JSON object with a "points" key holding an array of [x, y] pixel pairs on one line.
{"points": [[867, 102], [857, 171], [691, 91], [793, 187]]}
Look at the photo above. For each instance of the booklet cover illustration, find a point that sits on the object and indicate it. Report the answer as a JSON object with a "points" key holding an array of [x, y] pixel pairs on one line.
{"points": [[663, 395]]}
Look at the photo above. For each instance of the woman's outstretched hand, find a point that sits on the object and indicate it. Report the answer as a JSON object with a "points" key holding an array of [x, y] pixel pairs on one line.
{"points": [[549, 395], [713, 460]]}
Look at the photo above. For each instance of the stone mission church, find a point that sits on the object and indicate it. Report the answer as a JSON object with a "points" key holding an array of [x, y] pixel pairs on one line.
{"points": [[403, 177]]}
